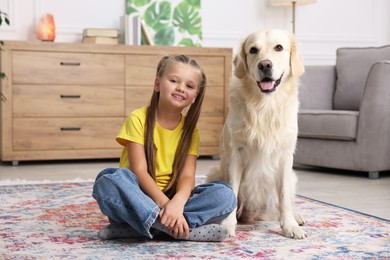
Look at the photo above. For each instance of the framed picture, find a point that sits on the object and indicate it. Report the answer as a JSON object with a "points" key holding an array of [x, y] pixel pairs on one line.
{"points": [[175, 23]]}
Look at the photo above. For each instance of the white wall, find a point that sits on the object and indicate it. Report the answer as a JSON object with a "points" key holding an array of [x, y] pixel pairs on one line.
{"points": [[320, 28]]}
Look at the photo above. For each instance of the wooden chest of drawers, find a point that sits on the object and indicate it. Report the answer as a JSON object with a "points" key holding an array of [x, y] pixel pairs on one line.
{"points": [[68, 100]]}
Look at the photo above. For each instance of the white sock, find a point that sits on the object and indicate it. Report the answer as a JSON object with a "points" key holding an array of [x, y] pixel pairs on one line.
{"points": [[205, 233]]}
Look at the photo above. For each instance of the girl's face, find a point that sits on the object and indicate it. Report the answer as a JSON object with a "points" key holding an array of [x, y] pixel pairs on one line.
{"points": [[178, 86]]}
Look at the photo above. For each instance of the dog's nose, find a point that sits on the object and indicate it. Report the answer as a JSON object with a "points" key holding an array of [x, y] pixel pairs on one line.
{"points": [[265, 66]]}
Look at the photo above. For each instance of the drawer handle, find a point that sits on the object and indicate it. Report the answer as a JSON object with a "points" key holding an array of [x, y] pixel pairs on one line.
{"points": [[70, 96], [70, 128], [70, 63]]}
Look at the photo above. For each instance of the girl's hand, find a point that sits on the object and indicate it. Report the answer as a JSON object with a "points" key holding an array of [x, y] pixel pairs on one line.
{"points": [[171, 216], [181, 229]]}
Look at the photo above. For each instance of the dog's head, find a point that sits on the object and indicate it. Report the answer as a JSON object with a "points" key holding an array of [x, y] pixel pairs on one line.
{"points": [[268, 57]]}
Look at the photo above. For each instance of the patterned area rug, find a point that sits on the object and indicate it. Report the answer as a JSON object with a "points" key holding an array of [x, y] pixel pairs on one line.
{"points": [[61, 220]]}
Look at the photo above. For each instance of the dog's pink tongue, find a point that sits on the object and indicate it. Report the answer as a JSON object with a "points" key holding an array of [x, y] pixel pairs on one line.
{"points": [[267, 85]]}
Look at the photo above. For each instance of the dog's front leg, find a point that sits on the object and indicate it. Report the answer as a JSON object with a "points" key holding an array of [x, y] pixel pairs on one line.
{"points": [[286, 192], [233, 174]]}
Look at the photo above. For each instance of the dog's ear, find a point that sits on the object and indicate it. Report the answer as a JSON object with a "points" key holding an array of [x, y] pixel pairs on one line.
{"points": [[296, 60], [239, 62]]}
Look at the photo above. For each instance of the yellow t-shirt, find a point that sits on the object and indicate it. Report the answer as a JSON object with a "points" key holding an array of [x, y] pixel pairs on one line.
{"points": [[166, 143]]}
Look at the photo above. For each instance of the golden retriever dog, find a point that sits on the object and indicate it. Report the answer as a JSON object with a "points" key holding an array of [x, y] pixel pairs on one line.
{"points": [[260, 132]]}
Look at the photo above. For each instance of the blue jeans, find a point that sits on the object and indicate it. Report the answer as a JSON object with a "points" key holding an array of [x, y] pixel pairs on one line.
{"points": [[120, 198]]}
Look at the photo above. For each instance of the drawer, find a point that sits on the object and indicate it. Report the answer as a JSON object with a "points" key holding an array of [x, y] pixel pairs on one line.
{"points": [[214, 68], [141, 69], [65, 133], [67, 68], [66, 101], [210, 130], [213, 103], [137, 97]]}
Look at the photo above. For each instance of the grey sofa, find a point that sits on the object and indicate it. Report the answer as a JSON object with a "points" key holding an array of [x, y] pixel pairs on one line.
{"points": [[344, 117]]}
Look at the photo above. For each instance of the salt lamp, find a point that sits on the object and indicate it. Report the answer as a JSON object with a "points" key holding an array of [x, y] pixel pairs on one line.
{"points": [[46, 30]]}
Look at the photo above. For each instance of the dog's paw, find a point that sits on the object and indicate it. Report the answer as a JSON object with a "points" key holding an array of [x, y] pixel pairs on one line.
{"points": [[300, 220], [231, 231], [230, 224], [294, 232]]}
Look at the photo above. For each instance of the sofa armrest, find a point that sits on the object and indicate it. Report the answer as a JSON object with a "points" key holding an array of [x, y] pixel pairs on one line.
{"points": [[317, 87], [374, 118]]}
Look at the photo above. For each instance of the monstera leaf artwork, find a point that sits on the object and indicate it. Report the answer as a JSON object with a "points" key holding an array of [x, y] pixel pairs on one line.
{"points": [[176, 23]]}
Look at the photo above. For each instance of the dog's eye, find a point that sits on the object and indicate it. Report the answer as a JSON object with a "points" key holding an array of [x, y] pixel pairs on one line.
{"points": [[254, 50], [278, 47]]}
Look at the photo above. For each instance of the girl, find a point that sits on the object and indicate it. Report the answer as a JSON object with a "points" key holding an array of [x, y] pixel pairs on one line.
{"points": [[153, 190]]}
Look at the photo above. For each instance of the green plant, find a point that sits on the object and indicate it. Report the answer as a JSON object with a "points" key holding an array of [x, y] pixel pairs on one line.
{"points": [[3, 18]]}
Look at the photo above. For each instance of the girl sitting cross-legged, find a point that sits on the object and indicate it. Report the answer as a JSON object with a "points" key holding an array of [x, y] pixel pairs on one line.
{"points": [[154, 190]]}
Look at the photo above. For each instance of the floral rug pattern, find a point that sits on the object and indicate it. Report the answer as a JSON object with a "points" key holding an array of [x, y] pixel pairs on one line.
{"points": [[61, 221]]}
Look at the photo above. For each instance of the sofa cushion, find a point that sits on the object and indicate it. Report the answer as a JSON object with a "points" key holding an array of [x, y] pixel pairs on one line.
{"points": [[316, 90], [328, 124], [352, 68]]}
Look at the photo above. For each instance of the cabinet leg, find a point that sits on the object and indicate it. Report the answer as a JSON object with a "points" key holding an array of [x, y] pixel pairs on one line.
{"points": [[373, 175], [215, 157], [15, 163]]}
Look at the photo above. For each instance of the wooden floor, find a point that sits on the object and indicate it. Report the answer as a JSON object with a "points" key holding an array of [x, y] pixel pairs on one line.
{"points": [[350, 190]]}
